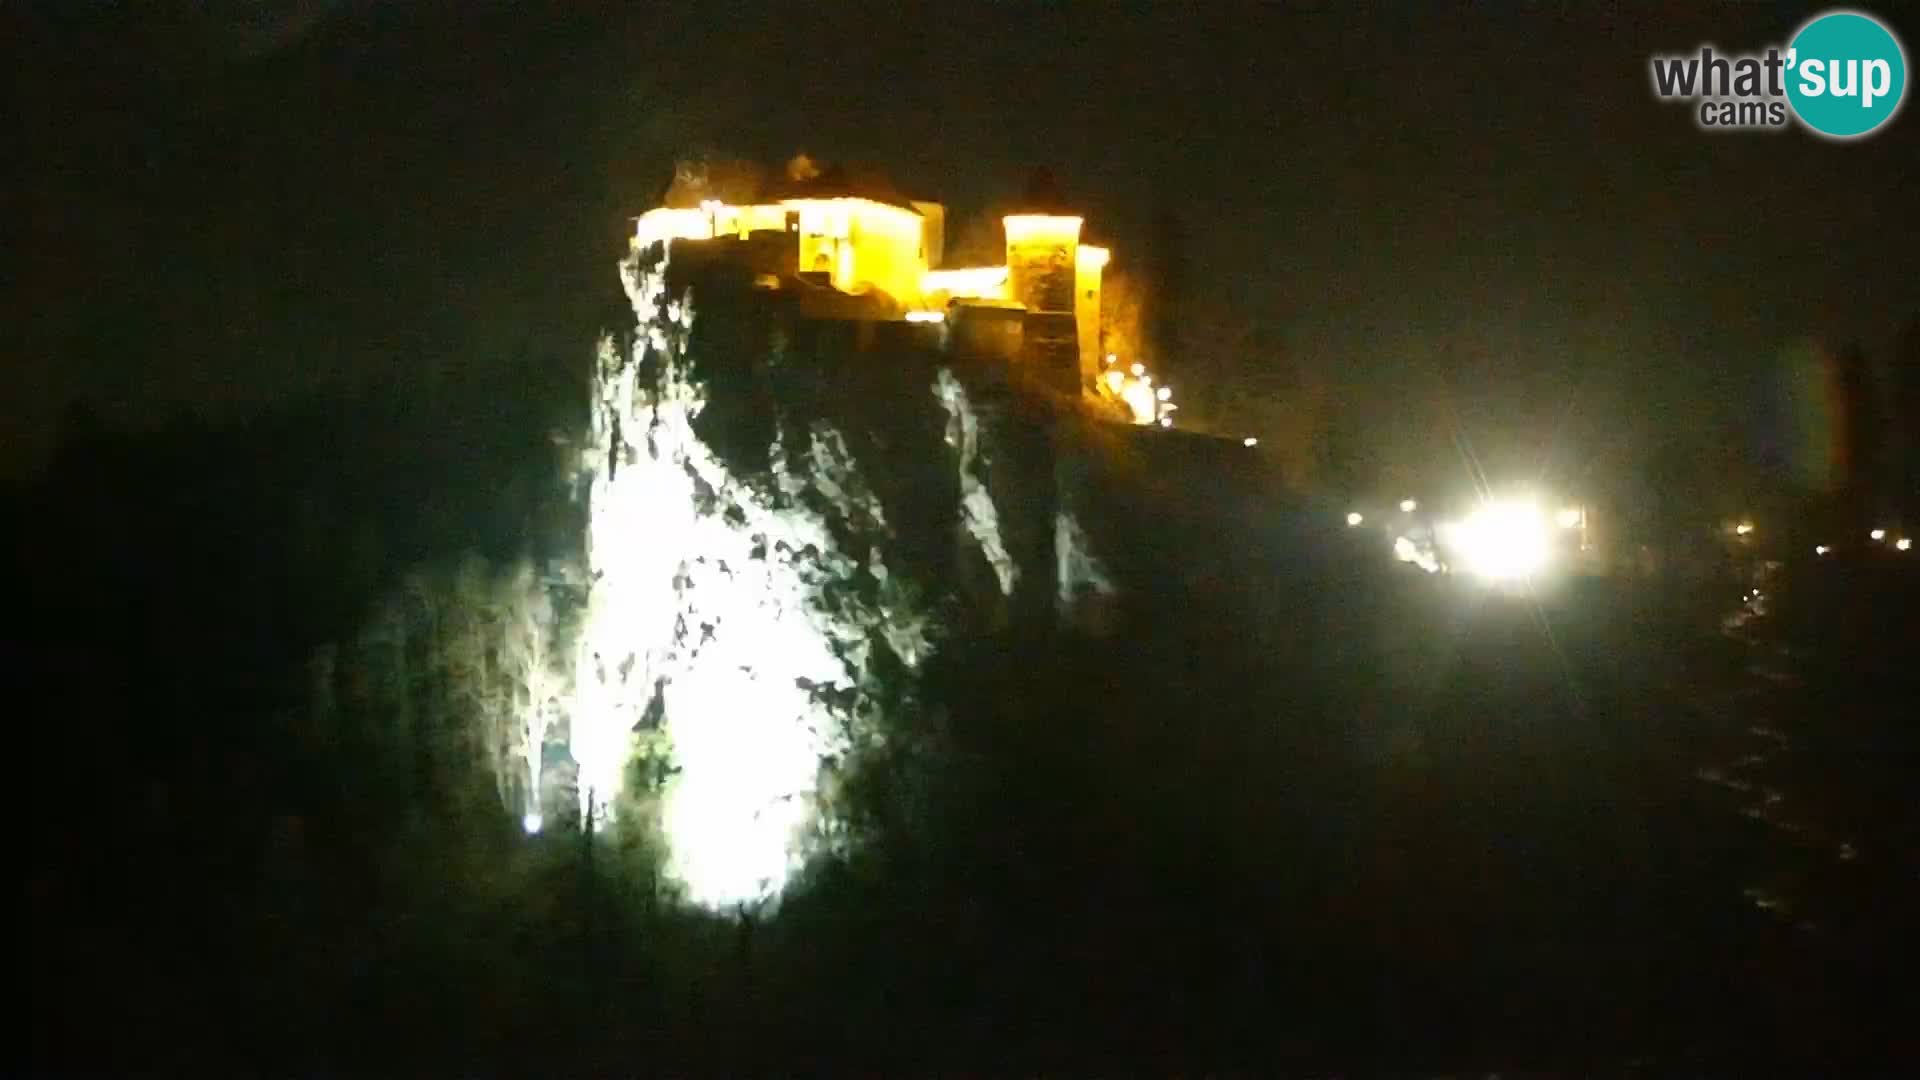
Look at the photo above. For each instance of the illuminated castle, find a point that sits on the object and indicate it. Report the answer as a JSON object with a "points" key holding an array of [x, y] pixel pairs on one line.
{"points": [[857, 249]]}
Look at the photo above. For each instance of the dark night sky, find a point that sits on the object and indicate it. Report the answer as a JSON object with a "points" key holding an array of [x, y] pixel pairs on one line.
{"points": [[1491, 208]]}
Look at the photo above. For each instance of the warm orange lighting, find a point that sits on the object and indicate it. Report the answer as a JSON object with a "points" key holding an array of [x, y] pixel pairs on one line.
{"points": [[862, 245], [1042, 228], [665, 223], [967, 283], [711, 219], [1140, 402], [865, 244]]}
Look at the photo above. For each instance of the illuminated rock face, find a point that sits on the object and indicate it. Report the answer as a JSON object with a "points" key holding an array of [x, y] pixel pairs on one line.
{"points": [[771, 524], [977, 512], [734, 617]]}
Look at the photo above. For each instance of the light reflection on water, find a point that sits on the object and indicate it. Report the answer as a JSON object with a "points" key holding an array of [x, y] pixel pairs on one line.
{"points": [[1756, 764]]}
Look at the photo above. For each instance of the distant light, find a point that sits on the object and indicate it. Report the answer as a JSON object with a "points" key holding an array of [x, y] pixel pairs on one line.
{"points": [[926, 316], [1165, 393], [1821, 549], [1354, 518], [1166, 421], [1138, 370], [1878, 534], [1503, 540], [1137, 396], [1902, 544], [532, 822], [1110, 359], [1743, 528], [1249, 441], [1408, 506], [1569, 518]]}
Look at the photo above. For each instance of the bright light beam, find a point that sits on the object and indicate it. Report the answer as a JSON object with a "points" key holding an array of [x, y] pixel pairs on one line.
{"points": [[1504, 540]]}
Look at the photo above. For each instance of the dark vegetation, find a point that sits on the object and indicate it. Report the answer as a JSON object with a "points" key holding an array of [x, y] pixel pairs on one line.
{"points": [[202, 867]]}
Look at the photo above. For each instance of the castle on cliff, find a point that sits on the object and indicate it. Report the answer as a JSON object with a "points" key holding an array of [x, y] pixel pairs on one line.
{"points": [[853, 247]]}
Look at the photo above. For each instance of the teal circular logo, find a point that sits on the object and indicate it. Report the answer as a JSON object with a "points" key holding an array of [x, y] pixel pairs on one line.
{"points": [[1846, 74]]}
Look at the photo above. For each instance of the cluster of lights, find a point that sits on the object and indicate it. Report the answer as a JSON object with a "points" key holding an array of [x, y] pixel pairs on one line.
{"points": [[1877, 536], [1900, 543], [1502, 540], [1134, 387]]}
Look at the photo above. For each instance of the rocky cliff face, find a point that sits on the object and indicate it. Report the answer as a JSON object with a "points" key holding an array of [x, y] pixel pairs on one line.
{"points": [[785, 520], [780, 530]]}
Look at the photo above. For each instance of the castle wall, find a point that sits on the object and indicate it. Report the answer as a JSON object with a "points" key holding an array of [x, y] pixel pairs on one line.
{"points": [[863, 245], [1086, 310]]}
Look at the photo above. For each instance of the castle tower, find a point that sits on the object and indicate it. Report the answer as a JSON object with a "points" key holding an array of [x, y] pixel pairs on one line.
{"points": [[1043, 248]]}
